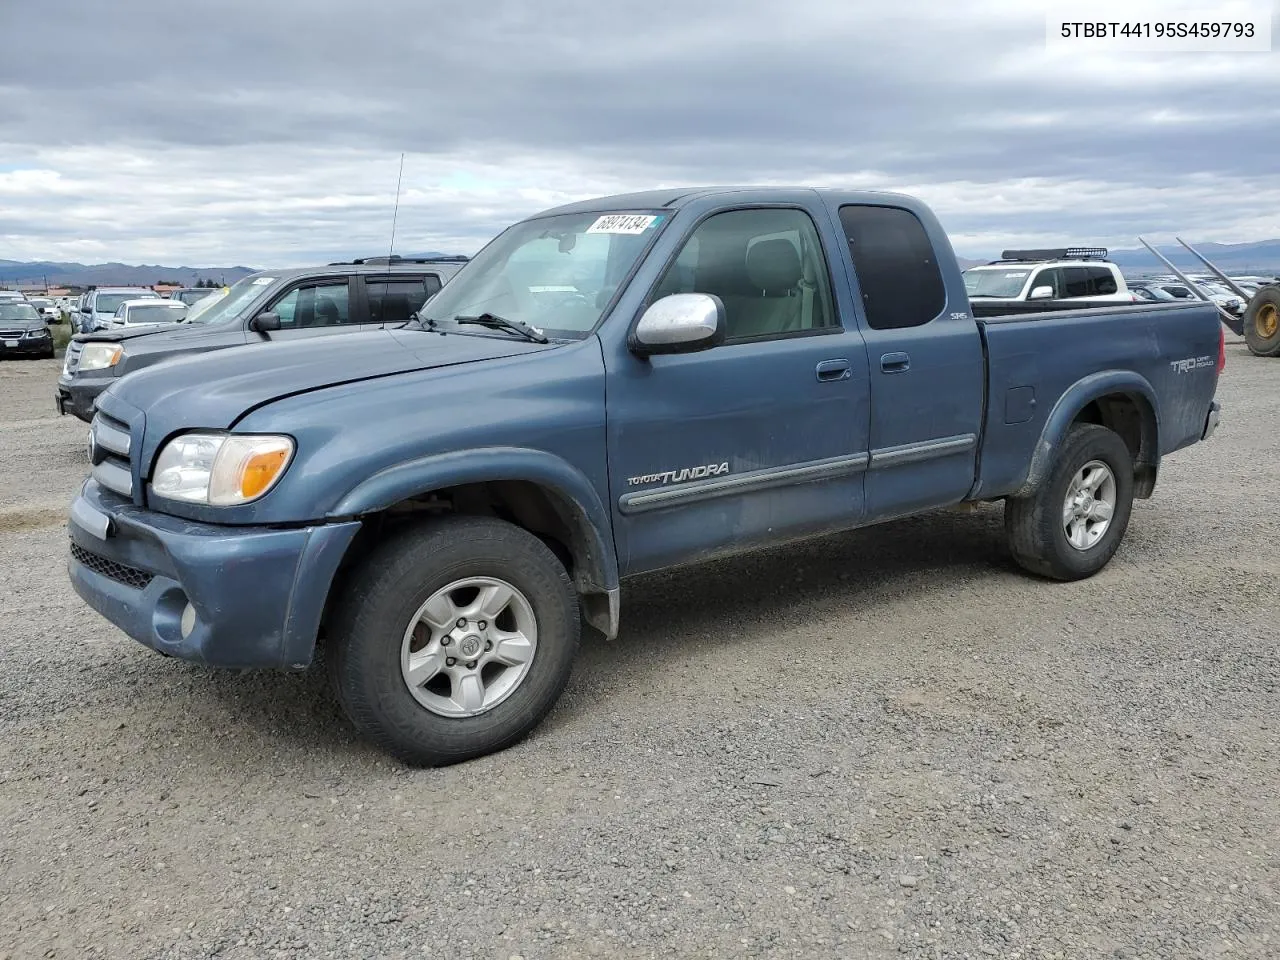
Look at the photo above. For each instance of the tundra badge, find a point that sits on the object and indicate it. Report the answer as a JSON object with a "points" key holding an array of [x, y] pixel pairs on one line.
{"points": [[678, 476]]}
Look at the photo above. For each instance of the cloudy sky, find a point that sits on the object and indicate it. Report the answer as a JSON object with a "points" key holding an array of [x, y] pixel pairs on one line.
{"points": [[270, 132]]}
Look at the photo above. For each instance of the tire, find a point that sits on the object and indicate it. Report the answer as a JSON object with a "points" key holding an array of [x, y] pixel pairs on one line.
{"points": [[382, 598], [1036, 526], [1262, 323]]}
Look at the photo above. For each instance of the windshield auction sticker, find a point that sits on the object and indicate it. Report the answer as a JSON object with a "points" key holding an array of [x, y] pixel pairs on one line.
{"points": [[632, 223]]}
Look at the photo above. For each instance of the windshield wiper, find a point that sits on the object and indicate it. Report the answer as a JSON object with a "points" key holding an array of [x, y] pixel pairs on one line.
{"points": [[495, 322]]}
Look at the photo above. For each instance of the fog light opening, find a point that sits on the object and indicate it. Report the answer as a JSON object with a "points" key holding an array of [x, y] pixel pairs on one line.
{"points": [[188, 622]]}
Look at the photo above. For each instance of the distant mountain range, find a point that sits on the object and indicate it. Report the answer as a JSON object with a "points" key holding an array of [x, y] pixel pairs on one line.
{"points": [[54, 274], [1260, 257], [14, 273]]}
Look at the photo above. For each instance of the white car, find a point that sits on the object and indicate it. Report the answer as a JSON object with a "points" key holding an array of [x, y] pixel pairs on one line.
{"points": [[48, 309], [1080, 274], [135, 313]]}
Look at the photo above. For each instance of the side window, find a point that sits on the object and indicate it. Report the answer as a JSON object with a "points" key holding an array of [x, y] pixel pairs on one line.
{"points": [[897, 271], [1102, 281], [394, 299], [1077, 282], [766, 266], [319, 305], [1048, 278]]}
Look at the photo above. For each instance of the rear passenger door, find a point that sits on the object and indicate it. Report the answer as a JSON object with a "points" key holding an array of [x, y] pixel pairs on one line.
{"points": [[315, 308], [392, 300], [926, 361]]}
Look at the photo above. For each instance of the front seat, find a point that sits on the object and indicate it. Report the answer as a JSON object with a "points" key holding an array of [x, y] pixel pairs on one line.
{"points": [[326, 313], [774, 272]]}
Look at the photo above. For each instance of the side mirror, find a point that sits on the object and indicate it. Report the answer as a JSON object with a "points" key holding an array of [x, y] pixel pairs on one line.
{"points": [[265, 322], [680, 323], [1041, 293]]}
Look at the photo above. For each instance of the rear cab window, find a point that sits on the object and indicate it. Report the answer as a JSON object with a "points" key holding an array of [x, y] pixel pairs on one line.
{"points": [[898, 273]]}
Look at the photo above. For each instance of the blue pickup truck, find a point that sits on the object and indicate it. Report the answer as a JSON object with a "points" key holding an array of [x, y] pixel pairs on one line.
{"points": [[608, 388]]}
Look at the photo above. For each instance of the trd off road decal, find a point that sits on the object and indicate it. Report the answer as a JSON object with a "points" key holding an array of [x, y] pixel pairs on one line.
{"points": [[1191, 363], [679, 476]]}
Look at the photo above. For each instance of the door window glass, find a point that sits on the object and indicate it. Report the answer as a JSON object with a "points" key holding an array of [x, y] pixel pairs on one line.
{"points": [[320, 305], [767, 268]]}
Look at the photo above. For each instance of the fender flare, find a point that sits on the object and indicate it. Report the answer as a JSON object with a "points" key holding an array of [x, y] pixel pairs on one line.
{"points": [[1074, 399], [571, 491]]}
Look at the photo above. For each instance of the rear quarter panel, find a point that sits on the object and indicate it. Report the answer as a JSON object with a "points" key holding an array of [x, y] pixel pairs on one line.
{"points": [[1044, 368]]}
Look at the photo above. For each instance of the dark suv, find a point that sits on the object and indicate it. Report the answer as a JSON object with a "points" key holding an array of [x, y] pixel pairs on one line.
{"points": [[271, 305]]}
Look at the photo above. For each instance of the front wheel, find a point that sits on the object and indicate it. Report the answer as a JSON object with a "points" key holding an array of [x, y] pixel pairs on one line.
{"points": [[454, 640], [1072, 525]]}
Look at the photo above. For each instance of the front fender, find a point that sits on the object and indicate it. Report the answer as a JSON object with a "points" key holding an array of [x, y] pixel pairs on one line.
{"points": [[1074, 399], [584, 510]]}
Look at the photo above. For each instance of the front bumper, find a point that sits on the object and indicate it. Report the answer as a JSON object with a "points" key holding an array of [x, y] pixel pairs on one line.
{"points": [[77, 394], [27, 346], [221, 596], [1211, 420]]}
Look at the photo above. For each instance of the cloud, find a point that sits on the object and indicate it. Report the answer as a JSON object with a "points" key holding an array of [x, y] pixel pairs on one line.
{"points": [[270, 132]]}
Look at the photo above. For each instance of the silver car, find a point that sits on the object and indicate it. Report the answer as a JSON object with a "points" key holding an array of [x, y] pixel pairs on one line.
{"points": [[148, 310]]}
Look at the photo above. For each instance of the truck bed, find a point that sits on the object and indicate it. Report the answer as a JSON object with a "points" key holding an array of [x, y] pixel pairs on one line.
{"points": [[1160, 355]]}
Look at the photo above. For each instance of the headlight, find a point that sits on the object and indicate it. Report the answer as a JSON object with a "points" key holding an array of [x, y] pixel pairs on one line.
{"points": [[34, 334], [220, 469], [99, 356]]}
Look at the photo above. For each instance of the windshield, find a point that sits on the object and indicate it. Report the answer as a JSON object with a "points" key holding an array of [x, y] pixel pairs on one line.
{"points": [[110, 302], [157, 313], [554, 273], [227, 302], [191, 296], [995, 283], [18, 311]]}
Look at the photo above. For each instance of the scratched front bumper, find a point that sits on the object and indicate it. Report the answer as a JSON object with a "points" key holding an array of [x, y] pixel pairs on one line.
{"points": [[256, 593]]}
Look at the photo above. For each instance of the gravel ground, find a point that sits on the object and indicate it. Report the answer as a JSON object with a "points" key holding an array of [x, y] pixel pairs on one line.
{"points": [[881, 744]]}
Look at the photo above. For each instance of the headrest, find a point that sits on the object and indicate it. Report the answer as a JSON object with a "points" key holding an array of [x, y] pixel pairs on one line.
{"points": [[774, 266]]}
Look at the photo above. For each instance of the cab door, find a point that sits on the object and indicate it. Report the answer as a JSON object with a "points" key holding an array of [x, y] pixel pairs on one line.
{"points": [[756, 440], [928, 374]]}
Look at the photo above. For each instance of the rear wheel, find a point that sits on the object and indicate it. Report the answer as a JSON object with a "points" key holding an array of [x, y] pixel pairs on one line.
{"points": [[1262, 323], [1073, 524], [454, 640]]}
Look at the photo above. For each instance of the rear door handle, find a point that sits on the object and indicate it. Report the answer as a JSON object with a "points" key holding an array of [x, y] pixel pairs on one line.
{"points": [[834, 370], [895, 362]]}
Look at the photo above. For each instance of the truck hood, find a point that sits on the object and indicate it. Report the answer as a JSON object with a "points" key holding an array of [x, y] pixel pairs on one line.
{"points": [[118, 334], [214, 390]]}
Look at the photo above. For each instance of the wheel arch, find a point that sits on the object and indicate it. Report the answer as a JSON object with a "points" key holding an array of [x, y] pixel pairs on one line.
{"points": [[1120, 400], [532, 488]]}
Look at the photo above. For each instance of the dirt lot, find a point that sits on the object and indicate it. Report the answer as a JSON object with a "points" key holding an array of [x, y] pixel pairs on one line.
{"points": [[881, 744]]}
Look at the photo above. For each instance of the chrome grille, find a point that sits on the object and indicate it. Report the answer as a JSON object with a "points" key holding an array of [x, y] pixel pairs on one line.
{"points": [[112, 570], [110, 444], [12, 334]]}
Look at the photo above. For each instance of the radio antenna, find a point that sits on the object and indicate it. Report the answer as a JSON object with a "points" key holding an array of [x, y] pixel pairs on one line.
{"points": [[396, 212]]}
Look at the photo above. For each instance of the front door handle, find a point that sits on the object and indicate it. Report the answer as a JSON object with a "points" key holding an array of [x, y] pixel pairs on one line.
{"points": [[895, 362], [834, 370]]}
